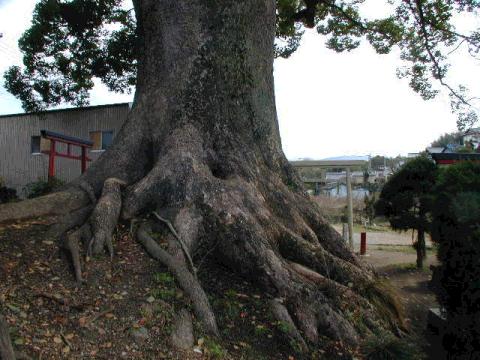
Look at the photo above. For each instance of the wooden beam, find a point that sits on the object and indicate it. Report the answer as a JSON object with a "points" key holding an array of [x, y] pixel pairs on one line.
{"points": [[328, 163], [350, 209]]}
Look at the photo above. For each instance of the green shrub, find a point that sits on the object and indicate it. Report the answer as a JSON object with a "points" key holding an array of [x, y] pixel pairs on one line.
{"points": [[42, 187], [456, 230], [406, 199], [389, 348], [7, 194]]}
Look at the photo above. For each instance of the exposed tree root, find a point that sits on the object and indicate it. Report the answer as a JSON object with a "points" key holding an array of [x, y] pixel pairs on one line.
{"points": [[69, 221], [180, 241], [185, 279], [72, 244], [62, 301], [317, 258], [250, 221], [6, 349], [95, 223], [104, 217], [59, 203], [281, 314]]}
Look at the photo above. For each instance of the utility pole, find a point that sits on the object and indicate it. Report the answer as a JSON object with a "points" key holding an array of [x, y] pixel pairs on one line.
{"points": [[350, 209]]}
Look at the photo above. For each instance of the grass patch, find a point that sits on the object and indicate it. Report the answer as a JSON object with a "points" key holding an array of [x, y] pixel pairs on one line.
{"points": [[391, 348], [407, 249], [410, 267], [387, 301], [213, 349], [164, 279]]}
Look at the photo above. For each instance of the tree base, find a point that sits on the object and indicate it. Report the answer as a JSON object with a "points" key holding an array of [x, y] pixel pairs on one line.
{"points": [[256, 221]]}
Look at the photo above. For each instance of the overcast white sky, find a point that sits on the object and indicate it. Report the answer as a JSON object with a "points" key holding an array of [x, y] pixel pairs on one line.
{"points": [[328, 104]]}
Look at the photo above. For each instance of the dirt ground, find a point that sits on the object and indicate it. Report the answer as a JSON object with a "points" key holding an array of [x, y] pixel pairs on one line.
{"points": [[394, 258], [127, 308]]}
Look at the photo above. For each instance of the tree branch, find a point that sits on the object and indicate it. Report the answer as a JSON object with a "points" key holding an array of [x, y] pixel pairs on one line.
{"points": [[437, 68]]}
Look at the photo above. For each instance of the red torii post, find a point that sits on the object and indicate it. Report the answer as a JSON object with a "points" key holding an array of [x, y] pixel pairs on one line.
{"points": [[70, 141]]}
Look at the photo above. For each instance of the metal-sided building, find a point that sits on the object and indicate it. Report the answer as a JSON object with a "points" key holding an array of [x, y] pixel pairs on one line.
{"points": [[21, 146]]}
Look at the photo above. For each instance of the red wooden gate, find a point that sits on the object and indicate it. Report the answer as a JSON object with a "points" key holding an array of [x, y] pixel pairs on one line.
{"points": [[70, 141]]}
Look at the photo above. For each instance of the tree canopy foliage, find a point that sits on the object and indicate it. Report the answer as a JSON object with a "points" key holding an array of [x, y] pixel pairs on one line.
{"points": [[456, 229], [407, 195], [72, 42], [406, 200], [455, 138]]}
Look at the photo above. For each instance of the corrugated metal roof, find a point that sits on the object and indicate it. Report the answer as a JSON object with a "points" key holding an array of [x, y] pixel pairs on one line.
{"points": [[66, 110]]}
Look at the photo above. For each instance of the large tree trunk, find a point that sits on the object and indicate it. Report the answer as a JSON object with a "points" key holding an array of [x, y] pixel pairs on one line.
{"points": [[201, 147]]}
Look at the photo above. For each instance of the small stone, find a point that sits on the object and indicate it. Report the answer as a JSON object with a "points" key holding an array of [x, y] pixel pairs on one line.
{"points": [[150, 299], [139, 334]]}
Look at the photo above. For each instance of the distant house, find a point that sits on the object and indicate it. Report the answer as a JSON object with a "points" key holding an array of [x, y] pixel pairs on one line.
{"points": [[436, 149], [21, 144], [445, 159]]}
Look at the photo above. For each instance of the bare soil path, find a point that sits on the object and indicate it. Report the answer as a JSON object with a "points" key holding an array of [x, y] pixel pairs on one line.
{"points": [[397, 264]]}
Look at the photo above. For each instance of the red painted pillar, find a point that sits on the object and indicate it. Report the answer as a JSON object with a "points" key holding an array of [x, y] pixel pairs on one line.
{"points": [[51, 160], [363, 243], [84, 159]]}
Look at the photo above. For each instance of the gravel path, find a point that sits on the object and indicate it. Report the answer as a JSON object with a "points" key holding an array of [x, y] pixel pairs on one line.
{"points": [[383, 238]]}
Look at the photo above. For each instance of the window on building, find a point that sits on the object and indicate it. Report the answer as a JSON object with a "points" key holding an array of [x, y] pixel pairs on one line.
{"points": [[35, 145], [101, 139]]}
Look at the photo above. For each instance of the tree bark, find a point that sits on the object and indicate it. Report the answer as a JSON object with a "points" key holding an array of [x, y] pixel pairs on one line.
{"points": [[201, 147], [6, 349], [421, 248]]}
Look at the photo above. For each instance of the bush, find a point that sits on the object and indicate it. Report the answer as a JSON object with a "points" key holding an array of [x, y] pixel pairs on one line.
{"points": [[384, 347], [456, 230], [42, 187], [406, 200], [7, 194]]}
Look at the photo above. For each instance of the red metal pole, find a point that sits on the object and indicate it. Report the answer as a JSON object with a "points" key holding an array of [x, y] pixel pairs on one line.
{"points": [[51, 160], [363, 243], [84, 159]]}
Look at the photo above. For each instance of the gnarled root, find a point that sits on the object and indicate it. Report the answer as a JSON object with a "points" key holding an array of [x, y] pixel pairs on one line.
{"points": [[105, 216], [59, 203], [262, 229], [185, 278], [6, 349], [281, 314], [69, 221], [72, 244], [95, 224]]}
